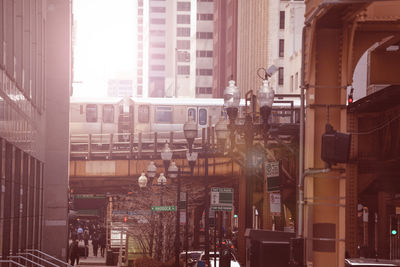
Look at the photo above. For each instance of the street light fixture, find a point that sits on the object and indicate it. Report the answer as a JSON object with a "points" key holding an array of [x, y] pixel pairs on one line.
{"points": [[250, 128], [142, 181], [190, 132], [166, 156]]}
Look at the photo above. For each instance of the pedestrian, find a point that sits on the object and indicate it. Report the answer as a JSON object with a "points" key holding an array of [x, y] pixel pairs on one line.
{"points": [[74, 252], [86, 241], [79, 231], [95, 243], [102, 243]]}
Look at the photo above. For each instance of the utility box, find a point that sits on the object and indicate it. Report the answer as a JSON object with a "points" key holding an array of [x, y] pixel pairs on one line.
{"points": [[266, 248]]}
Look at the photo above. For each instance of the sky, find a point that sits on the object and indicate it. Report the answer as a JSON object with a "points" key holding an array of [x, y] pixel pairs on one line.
{"points": [[104, 43]]}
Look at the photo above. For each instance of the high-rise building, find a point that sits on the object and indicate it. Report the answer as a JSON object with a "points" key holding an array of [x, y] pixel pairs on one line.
{"points": [[269, 33], [225, 44], [174, 46]]}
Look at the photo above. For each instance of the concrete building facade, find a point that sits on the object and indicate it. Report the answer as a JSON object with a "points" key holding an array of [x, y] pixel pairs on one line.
{"points": [[174, 46], [35, 84]]}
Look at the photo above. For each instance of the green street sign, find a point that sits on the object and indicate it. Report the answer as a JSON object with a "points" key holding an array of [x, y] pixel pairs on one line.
{"points": [[163, 208], [221, 208]]}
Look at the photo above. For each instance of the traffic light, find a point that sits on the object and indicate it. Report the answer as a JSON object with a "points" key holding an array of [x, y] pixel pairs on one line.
{"points": [[125, 219], [335, 146], [394, 232], [350, 97]]}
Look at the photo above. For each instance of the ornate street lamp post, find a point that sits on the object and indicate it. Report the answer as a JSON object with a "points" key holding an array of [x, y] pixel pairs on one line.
{"points": [[265, 97]]}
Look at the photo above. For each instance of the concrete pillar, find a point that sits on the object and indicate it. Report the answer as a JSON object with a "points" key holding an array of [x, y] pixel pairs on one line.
{"points": [[324, 193], [58, 84]]}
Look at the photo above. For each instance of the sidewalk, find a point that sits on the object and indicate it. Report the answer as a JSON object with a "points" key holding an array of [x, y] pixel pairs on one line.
{"points": [[92, 260]]}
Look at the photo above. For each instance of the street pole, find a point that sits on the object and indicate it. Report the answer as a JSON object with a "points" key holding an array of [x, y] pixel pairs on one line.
{"points": [[160, 230], [176, 72], [206, 198], [177, 234]]}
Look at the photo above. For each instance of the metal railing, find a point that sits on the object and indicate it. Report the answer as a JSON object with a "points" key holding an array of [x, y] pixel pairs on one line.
{"points": [[26, 259], [11, 262], [49, 256]]}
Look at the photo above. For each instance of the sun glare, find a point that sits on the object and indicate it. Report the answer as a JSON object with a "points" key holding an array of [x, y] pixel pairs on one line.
{"points": [[104, 43]]}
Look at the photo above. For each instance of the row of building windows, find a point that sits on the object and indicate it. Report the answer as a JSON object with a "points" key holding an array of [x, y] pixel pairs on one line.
{"points": [[205, 16], [157, 45], [183, 32], [183, 19], [157, 33], [204, 53], [183, 70], [157, 67], [157, 21], [183, 6], [204, 35], [157, 9], [157, 56], [203, 90], [204, 72]]}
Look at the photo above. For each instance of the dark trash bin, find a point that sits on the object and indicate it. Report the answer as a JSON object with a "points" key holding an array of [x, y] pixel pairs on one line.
{"points": [[109, 258]]}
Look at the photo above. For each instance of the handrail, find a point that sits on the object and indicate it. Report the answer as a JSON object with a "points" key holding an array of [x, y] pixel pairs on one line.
{"points": [[26, 259], [37, 257], [51, 257], [12, 262]]}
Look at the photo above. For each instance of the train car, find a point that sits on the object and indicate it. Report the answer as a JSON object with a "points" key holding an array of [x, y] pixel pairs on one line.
{"points": [[118, 118], [163, 115], [96, 116]]}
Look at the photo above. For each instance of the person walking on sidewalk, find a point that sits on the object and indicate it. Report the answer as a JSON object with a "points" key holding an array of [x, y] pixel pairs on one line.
{"points": [[95, 243], [74, 252], [102, 243]]}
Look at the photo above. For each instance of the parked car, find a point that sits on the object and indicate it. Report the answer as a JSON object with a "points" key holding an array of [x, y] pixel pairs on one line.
{"points": [[193, 256], [212, 260]]}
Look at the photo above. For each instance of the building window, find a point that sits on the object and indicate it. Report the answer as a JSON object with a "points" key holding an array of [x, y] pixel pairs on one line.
{"points": [[204, 53], [296, 81], [203, 90], [203, 116], [143, 112], [184, 70], [140, 11], [183, 6], [204, 35], [280, 76], [282, 20], [157, 21], [291, 83], [183, 19], [205, 17], [163, 114], [183, 44], [281, 47], [158, 9], [139, 90], [157, 67], [183, 56], [108, 113], [204, 72], [183, 32], [192, 113], [91, 113]]}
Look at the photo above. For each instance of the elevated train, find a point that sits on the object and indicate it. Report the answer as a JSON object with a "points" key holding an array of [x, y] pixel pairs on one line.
{"points": [[122, 117]]}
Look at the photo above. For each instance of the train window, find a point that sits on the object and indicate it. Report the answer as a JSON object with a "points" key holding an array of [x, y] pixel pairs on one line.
{"points": [[108, 113], [203, 116], [192, 113], [143, 113], [91, 113], [163, 114]]}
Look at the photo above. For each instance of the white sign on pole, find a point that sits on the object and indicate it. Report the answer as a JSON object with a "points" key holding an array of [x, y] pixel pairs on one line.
{"points": [[275, 203], [272, 169], [182, 217]]}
